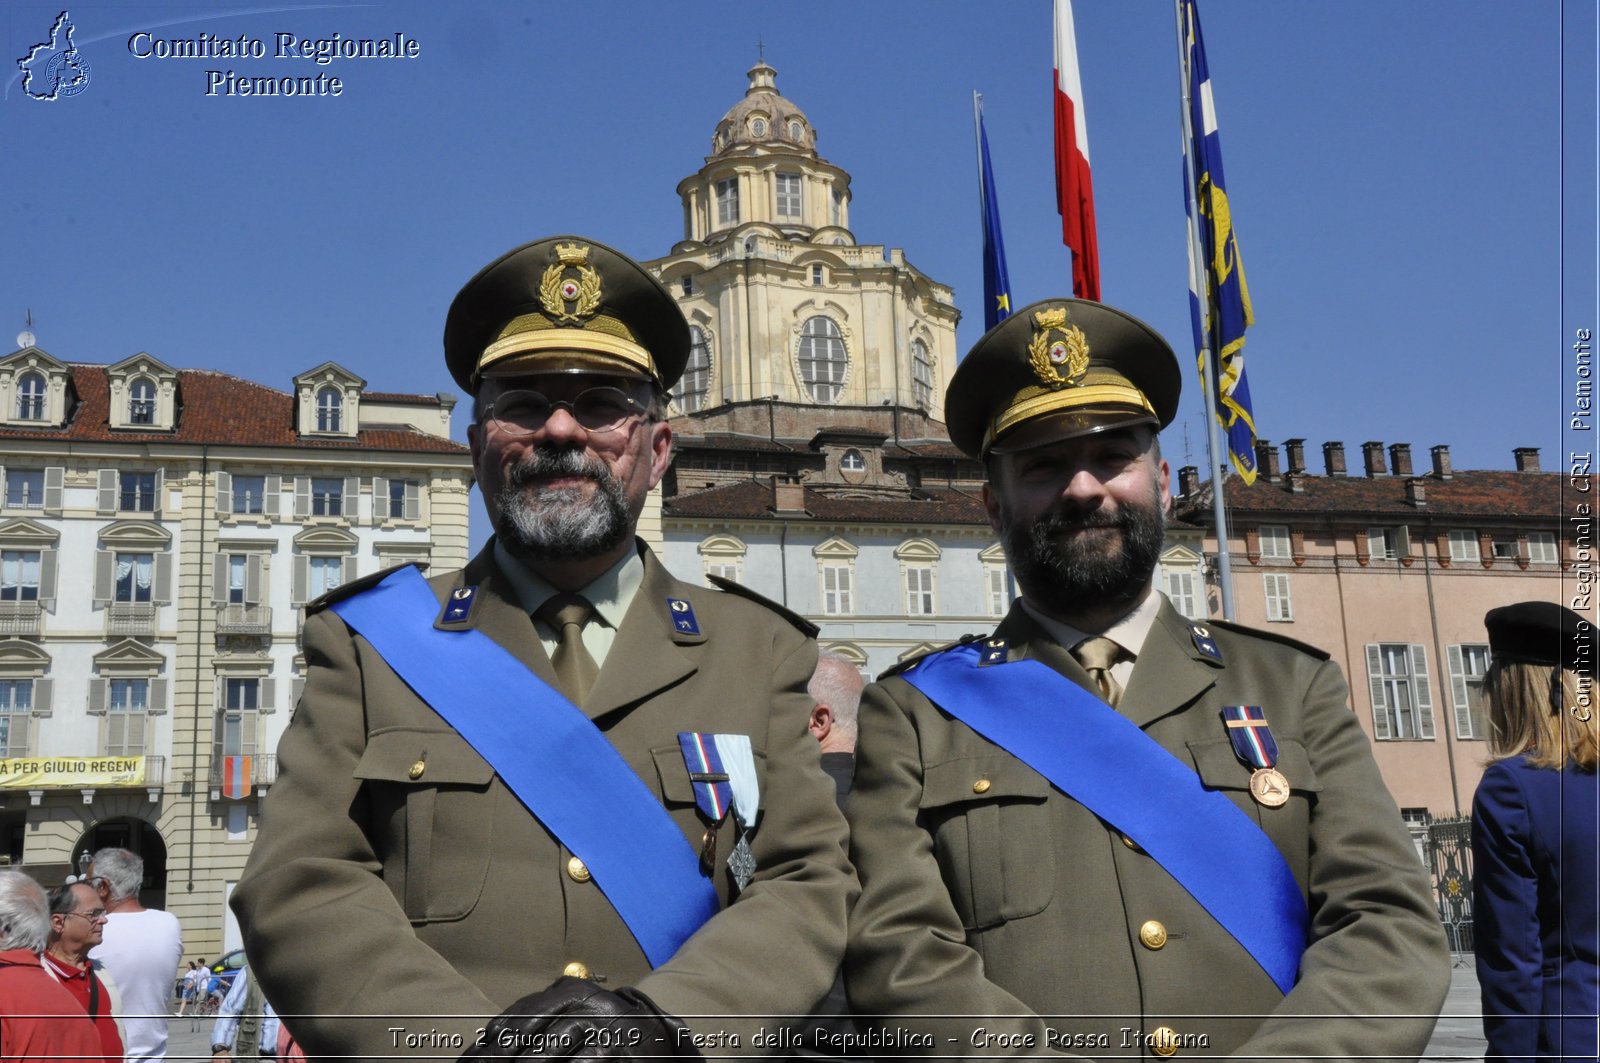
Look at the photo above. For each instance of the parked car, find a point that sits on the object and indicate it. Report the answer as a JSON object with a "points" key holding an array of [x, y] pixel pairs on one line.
{"points": [[228, 967]]}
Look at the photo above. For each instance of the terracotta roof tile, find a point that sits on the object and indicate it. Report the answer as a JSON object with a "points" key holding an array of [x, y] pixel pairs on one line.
{"points": [[218, 409], [753, 501], [1469, 493]]}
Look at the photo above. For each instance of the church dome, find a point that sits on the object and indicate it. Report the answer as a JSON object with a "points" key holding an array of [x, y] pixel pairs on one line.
{"points": [[765, 119]]}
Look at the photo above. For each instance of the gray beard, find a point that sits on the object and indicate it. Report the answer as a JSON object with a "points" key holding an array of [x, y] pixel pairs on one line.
{"points": [[539, 523], [1062, 575]]}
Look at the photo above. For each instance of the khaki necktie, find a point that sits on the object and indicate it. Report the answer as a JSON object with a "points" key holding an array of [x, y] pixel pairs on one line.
{"points": [[1097, 655], [576, 670]]}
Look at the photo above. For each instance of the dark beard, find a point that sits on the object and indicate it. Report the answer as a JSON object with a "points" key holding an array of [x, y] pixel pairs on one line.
{"points": [[1064, 574], [542, 523]]}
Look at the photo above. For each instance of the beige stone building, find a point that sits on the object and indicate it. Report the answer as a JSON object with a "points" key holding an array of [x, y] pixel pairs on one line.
{"points": [[160, 529]]}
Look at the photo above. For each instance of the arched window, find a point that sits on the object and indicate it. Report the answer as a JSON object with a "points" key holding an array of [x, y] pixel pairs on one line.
{"points": [[921, 375], [758, 127], [142, 402], [822, 359], [330, 409], [690, 394], [30, 397], [797, 131]]}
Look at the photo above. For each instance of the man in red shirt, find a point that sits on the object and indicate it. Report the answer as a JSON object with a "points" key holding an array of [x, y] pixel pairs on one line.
{"points": [[77, 923], [39, 1019]]}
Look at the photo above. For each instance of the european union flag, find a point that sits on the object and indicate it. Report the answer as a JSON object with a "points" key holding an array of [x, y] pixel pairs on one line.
{"points": [[996, 284], [1222, 312]]}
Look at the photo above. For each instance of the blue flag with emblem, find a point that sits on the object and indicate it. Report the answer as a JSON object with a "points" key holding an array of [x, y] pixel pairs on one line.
{"points": [[996, 283], [1219, 300]]}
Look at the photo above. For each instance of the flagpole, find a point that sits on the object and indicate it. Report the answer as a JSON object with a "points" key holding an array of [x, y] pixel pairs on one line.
{"points": [[1199, 284], [977, 151]]}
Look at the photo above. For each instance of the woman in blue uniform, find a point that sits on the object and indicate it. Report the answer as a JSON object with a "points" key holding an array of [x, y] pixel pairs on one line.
{"points": [[1535, 821]]}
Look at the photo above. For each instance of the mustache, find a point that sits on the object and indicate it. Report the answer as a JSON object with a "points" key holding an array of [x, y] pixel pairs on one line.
{"points": [[545, 462], [1064, 521]]}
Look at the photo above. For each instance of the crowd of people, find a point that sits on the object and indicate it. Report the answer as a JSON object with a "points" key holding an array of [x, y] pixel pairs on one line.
{"points": [[562, 804]]}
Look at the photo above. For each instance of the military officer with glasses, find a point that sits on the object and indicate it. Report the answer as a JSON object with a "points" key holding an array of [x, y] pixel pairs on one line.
{"points": [[559, 802]]}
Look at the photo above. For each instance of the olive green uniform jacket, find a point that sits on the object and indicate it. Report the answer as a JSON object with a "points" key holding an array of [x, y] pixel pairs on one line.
{"points": [[986, 892], [432, 899]]}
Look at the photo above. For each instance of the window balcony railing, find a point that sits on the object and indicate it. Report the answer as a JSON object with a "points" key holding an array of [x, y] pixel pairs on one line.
{"points": [[21, 618], [131, 618], [241, 619], [263, 772]]}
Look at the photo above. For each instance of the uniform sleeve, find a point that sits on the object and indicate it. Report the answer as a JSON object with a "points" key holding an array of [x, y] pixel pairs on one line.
{"points": [[907, 943], [774, 951], [1505, 900], [1376, 969], [312, 899]]}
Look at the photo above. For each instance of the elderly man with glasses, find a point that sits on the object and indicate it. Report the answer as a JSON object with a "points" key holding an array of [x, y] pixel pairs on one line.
{"points": [[77, 924], [560, 779]]}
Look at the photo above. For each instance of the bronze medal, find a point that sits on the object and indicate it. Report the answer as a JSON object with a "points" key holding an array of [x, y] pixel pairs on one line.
{"points": [[1269, 787]]}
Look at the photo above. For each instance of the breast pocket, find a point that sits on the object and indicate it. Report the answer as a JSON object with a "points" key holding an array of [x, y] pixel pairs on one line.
{"points": [[433, 808], [991, 834], [1221, 769]]}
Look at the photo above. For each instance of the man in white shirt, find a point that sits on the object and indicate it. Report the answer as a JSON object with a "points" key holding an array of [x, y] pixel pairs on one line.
{"points": [[142, 950]]}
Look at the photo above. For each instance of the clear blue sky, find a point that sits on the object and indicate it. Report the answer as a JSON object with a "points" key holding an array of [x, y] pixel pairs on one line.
{"points": [[1395, 171]]}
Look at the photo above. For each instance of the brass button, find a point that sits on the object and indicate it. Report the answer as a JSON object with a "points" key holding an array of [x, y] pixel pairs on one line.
{"points": [[577, 871], [578, 970], [1163, 1041], [981, 786], [417, 769], [1130, 843], [1152, 935]]}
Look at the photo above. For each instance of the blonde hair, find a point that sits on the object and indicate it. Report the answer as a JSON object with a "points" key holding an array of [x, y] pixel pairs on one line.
{"points": [[1522, 719]]}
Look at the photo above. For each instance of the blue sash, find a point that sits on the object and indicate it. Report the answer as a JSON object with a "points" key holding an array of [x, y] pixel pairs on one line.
{"points": [[1102, 760], [551, 756]]}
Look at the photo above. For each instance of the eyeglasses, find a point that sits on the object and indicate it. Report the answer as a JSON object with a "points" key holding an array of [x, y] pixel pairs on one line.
{"points": [[94, 915], [598, 410]]}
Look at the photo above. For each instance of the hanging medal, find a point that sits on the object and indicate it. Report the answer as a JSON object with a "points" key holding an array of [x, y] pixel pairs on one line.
{"points": [[713, 794], [1253, 742]]}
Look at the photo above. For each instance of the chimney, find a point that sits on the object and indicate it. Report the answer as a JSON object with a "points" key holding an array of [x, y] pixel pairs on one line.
{"points": [[1333, 457], [1372, 457], [1295, 482], [1416, 495], [1266, 460], [1441, 461], [1188, 481], [1400, 458], [788, 496], [1527, 459], [1295, 449]]}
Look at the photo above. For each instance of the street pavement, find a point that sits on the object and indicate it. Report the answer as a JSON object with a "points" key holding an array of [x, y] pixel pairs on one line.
{"points": [[1459, 1035]]}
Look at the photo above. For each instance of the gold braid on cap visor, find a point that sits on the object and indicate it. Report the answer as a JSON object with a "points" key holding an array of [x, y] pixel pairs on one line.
{"points": [[535, 332], [1035, 402]]}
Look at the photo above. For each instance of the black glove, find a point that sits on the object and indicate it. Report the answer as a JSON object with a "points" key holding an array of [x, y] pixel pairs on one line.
{"points": [[576, 1019]]}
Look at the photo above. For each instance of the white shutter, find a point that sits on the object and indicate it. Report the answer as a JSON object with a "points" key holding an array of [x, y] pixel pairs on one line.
{"points": [[97, 697], [1380, 707], [47, 578], [158, 703], [219, 580], [108, 491], [163, 588], [347, 570], [274, 496], [104, 570], [302, 496], [302, 579], [1421, 689], [43, 696], [159, 503], [380, 499], [252, 579], [350, 504], [413, 503], [1459, 695], [224, 494], [1402, 541], [55, 478], [268, 701], [297, 687]]}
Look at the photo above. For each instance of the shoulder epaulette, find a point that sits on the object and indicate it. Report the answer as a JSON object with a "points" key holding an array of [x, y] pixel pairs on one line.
{"points": [[356, 586], [806, 627], [1272, 636], [901, 666]]}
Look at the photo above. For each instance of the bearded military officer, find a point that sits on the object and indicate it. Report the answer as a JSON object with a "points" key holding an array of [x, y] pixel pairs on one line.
{"points": [[560, 774], [1107, 831]]}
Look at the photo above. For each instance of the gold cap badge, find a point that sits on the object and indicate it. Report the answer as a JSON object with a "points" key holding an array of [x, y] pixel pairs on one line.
{"points": [[558, 290], [1059, 351]]}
